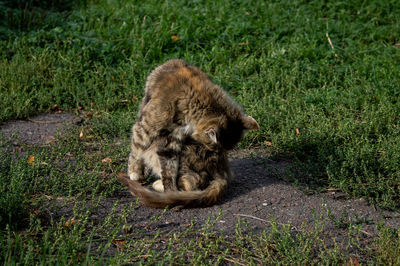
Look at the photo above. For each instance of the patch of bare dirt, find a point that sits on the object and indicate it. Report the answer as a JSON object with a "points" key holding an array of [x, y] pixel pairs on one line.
{"points": [[40, 129], [255, 195]]}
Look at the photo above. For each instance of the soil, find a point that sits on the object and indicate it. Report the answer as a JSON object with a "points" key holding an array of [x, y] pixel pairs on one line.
{"points": [[256, 194]]}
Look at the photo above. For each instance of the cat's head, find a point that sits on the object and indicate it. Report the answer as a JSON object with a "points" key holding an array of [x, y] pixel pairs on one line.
{"points": [[222, 133]]}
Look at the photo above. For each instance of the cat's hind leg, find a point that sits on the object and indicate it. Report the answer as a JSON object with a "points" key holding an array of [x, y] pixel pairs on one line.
{"points": [[190, 181]]}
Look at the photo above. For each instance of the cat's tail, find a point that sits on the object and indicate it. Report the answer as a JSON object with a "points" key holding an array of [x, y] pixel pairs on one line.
{"points": [[211, 195]]}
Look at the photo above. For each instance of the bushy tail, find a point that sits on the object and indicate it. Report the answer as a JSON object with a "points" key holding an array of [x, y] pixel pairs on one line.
{"points": [[212, 194]]}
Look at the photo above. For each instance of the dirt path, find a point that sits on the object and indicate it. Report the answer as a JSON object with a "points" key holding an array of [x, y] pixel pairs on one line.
{"points": [[255, 195]]}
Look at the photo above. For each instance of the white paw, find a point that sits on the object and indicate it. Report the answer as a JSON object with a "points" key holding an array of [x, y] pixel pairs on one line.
{"points": [[158, 186], [133, 176]]}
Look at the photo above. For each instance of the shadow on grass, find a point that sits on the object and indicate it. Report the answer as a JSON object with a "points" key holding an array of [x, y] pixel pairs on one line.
{"points": [[27, 15]]}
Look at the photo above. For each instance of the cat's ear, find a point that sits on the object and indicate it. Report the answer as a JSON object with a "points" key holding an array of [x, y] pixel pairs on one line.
{"points": [[211, 134], [249, 122]]}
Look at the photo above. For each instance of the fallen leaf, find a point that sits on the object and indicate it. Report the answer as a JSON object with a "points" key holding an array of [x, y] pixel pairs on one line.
{"points": [[269, 143], [244, 43], [175, 37], [236, 250], [106, 160], [71, 222], [353, 261], [119, 242], [81, 134], [30, 159]]}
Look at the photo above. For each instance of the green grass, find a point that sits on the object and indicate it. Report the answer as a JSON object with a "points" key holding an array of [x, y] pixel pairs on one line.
{"points": [[273, 57], [333, 110]]}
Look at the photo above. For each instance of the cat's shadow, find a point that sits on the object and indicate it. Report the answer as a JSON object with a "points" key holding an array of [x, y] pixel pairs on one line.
{"points": [[253, 173]]}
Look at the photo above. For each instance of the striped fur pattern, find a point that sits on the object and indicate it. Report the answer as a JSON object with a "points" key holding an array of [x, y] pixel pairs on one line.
{"points": [[182, 114], [203, 178]]}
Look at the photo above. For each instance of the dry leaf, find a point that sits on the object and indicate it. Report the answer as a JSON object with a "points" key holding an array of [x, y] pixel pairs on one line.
{"points": [[244, 43], [70, 222], [269, 143], [106, 160], [175, 37], [30, 159], [56, 109], [81, 134], [119, 242], [353, 261]]}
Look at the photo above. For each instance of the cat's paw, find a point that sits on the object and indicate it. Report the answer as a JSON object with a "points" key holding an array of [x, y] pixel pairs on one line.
{"points": [[158, 186]]}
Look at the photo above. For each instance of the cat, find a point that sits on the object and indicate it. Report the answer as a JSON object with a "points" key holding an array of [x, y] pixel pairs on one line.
{"points": [[178, 96], [202, 178]]}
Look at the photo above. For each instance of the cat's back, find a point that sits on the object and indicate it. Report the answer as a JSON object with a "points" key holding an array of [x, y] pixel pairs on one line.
{"points": [[177, 79], [175, 76]]}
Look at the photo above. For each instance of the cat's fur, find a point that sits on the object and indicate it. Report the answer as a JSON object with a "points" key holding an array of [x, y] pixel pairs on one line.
{"points": [[178, 94], [202, 178]]}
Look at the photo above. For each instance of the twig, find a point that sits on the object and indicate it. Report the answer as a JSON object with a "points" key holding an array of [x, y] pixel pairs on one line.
{"points": [[265, 221], [330, 43], [234, 261], [363, 231], [250, 216]]}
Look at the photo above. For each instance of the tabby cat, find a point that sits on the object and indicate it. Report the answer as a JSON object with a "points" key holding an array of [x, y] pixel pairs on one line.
{"points": [[202, 178], [179, 97]]}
